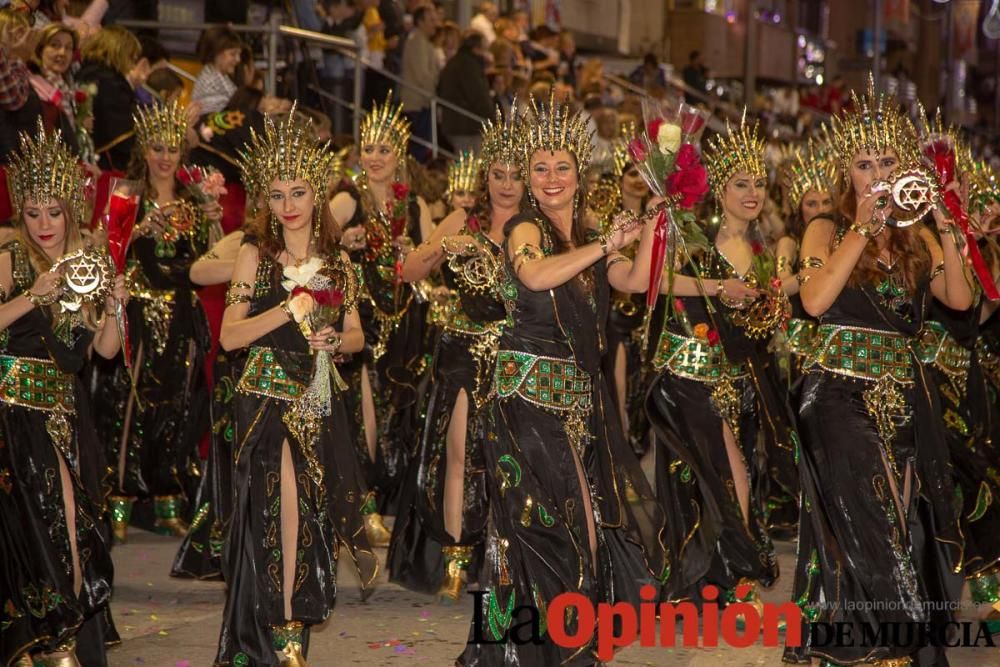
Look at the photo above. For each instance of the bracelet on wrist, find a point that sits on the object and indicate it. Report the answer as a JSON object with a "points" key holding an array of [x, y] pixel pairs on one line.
{"points": [[720, 289], [287, 310]]}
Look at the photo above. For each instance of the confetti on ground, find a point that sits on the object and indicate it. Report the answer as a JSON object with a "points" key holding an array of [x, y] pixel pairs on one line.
{"points": [[183, 663], [153, 617], [425, 614], [163, 633]]}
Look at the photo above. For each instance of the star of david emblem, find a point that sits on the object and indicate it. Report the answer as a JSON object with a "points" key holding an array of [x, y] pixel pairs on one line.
{"points": [[87, 274], [913, 196]]}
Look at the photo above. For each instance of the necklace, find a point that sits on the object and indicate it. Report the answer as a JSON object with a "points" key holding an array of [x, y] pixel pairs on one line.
{"points": [[297, 261]]}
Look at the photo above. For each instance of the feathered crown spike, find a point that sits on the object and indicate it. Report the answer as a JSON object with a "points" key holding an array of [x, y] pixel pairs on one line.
{"points": [[45, 168], [463, 174], [385, 124], [875, 124], [740, 149], [619, 148], [286, 152], [161, 123], [554, 127], [808, 167], [984, 186], [503, 139]]}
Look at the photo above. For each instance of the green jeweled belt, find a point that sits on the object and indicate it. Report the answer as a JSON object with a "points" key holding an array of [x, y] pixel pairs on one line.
{"points": [[936, 346], [459, 322], [37, 384], [866, 354], [801, 336], [264, 376], [694, 359], [550, 382]]}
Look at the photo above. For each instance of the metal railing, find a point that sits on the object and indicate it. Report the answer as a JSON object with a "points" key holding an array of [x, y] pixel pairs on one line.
{"points": [[344, 47]]}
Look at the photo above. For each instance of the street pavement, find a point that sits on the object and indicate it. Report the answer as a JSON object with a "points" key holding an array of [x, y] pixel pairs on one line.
{"points": [[167, 622]]}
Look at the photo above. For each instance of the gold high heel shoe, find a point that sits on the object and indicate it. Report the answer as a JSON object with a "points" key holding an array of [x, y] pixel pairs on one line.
{"points": [[378, 534], [893, 662], [168, 520], [287, 641], [63, 656], [456, 561], [24, 661], [121, 514]]}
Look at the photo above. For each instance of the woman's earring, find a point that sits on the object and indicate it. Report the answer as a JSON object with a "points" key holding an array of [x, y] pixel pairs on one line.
{"points": [[317, 221], [531, 199], [274, 226]]}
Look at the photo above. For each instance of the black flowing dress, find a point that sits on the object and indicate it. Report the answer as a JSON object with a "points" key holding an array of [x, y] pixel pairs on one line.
{"points": [[866, 417], [553, 409], [464, 360], [703, 383], [45, 417], [268, 409]]}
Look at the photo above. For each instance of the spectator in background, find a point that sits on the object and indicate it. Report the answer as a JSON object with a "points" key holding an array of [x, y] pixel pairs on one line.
{"points": [[46, 12], [464, 84], [108, 59], [484, 20], [542, 50], [523, 23], [395, 30], [506, 49], [695, 77], [375, 46], [567, 58], [786, 105], [19, 106], [446, 41], [219, 49], [836, 95], [421, 70], [340, 18], [54, 87], [649, 73], [152, 57], [607, 135], [165, 85]]}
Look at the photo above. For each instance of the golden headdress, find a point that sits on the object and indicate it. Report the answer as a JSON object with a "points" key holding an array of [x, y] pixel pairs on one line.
{"points": [[385, 124], [875, 123], [740, 149], [286, 152], [808, 167], [984, 187], [554, 127], [45, 168], [503, 139], [463, 174], [620, 152], [161, 123]]}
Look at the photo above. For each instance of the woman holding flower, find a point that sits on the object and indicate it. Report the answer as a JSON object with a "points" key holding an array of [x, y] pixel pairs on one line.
{"points": [[714, 393], [382, 220], [298, 486], [439, 530], [155, 419]]}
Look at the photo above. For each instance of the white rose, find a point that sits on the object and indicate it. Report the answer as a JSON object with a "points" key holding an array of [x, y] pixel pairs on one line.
{"points": [[669, 137], [299, 276]]}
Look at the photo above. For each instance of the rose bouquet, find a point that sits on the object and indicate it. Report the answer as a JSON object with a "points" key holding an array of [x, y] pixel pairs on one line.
{"points": [[205, 184], [328, 301], [939, 151], [667, 157], [123, 207]]}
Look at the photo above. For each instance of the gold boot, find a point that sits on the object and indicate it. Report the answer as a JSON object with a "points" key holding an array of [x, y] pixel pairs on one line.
{"points": [[287, 641], [456, 561], [63, 656], [378, 534], [24, 661], [121, 514], [893, 662], [168, 520]]}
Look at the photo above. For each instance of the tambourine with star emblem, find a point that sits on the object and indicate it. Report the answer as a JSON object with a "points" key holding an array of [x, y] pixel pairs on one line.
{"points": [[87, 276], [914, 193]]}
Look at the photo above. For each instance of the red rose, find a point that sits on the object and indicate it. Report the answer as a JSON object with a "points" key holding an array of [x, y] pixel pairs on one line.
{"points": [[679, 305], [691, 122], [400, 190], [57, 98], [80, 96], [637, 149], [689, 185], [472, 224], [776, 283], [332, 297], [757, 247], [713, 337], [653, 128], [185, 176], [299, 289], [197, 175], [687, 157]]}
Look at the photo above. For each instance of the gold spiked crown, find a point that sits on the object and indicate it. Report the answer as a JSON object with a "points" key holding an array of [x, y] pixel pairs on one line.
{"points": [[463, 174], [622, 158], [554, 127], [984, 188], [741, 149], [285, 151], [45, 168], [808, 167], [875, 124], [503, 139], [161, 124], [385, 124]]}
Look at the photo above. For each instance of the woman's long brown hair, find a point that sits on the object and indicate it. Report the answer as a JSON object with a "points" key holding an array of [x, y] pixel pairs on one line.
{"points": [[904, 243]]}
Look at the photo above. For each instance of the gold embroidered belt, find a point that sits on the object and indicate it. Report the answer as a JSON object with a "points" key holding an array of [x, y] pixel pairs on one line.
{"points": [[459, 322], [866, 354], [549, 382], [936, 346], [801, 336], [264, 376], [694, 359], [37, 384]]}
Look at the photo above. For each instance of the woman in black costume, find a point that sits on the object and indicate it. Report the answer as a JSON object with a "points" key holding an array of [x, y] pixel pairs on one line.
{"points": [[878, 525], [155, 428], [717, 392], [443, 512], [200, 553], [57, 573], [394, 314], [298, 490], [557, 462]]}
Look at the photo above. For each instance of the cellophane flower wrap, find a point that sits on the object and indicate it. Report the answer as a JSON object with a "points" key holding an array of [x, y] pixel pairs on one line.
{"points": [[328, 300], [205, 184], [668, 157]]}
